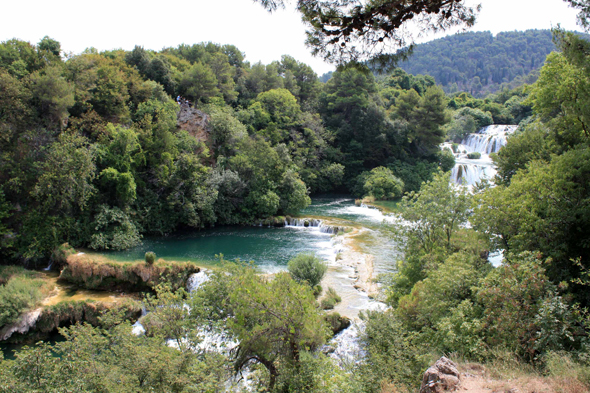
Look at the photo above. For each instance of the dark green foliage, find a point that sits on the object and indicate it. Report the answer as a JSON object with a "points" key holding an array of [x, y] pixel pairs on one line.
{"points": [[479, 62], [474, 156], [381, 184], [118, 361], [274, 319], [307, 268], [395, 356]]}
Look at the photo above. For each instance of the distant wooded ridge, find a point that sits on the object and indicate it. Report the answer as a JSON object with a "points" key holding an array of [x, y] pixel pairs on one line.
{"points": [[481, 63]]}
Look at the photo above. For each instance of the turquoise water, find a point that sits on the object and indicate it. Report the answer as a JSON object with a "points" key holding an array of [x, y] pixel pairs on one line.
{"points": [[270, 248]]}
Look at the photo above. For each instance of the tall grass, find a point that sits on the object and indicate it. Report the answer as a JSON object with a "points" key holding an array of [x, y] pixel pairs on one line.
{"points": [[20, 291]]}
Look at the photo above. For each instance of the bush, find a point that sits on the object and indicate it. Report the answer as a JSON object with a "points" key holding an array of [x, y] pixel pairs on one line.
{"points": [[307, 268], [150, 257], [317, 291], [331, 299], [474, 156], [21, 293], [337, 322], [382, 184]]}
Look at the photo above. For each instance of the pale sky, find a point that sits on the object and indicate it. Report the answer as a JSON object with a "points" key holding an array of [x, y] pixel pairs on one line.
{"points": [[111, 24]]}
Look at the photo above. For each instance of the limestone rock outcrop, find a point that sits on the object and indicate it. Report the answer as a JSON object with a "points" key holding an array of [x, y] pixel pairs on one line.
{"points": [[194, 121], [24, 323], [443, 376]]}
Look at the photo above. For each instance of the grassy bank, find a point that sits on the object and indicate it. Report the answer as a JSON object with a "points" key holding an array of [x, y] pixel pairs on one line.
{"points": [[20, 291], [99, 273]]}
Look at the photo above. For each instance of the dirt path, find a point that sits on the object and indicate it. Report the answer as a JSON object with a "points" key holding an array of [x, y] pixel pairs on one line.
{"points": [[475, 379]]}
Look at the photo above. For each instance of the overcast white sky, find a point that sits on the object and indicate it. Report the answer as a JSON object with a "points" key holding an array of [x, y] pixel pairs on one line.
{"points": [[110, 24]]}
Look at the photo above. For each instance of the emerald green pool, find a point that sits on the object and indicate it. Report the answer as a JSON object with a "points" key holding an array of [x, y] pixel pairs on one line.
{"points": [[269, 247]]}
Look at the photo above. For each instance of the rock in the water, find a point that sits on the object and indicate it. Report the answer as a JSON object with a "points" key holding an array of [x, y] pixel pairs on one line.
{"points": [[442, 377]]}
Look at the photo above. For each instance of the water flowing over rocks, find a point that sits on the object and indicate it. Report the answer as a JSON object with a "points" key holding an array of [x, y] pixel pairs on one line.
{"points": [[346, 347], [488, 140], [196, 280], [314, 223]]}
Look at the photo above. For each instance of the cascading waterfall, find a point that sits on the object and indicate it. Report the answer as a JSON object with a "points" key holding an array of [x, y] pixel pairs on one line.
{"points": [[488, 140], [312, 223], [345, 348]]}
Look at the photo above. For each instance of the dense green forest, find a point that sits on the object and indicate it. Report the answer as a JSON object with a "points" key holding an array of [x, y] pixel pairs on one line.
{"points": [[91, 152], [481, 63], [91, 155]]}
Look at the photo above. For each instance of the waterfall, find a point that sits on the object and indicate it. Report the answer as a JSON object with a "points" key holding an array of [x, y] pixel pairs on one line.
{"points": [[196, 280], [345, 347], [312, 223], [138, 328], [469, 174], [488, 140], [302, 222]]}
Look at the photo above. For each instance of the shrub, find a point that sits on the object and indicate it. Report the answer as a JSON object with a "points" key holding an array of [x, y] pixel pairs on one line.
{"points": [[331, 299], [61, 254], [21, 293], [337, 322], [474, 156], [150, 257], [381, 183], [307, 268], [317, 290]]}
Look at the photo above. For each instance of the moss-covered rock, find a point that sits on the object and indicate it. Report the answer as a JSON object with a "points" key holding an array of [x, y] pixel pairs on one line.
{"points": [[60, 255], [337, 322], [69, 313], [86, 272]]}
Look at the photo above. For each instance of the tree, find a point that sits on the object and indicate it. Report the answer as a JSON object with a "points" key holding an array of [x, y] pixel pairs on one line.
{"points": [[273, 319], [545, 208], [425, 116], [382, 184], [51, 94], [353, 31], [199, 83], [65, 187], [436, 212], [50, 45]]}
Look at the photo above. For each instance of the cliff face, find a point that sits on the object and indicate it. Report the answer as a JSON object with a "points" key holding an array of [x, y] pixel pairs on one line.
{"points": [[195, 122]]}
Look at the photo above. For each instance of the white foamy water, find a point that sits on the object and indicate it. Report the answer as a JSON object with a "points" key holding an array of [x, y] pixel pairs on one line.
{"points": [[488, 140], [346, 347]]}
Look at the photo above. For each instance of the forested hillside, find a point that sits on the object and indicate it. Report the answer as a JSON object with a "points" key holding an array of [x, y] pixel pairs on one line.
{"points": [[92, 155], [479, 62]]}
